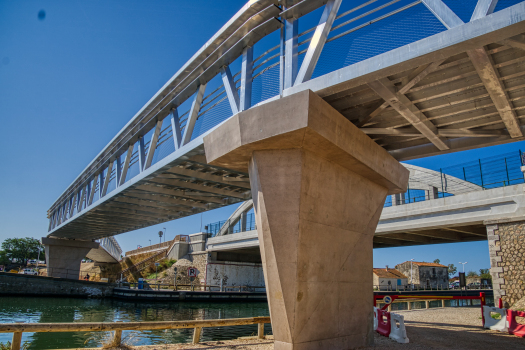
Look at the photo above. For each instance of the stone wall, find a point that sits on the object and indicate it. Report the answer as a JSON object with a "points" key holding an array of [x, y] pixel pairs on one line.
{"points": [[507, 260], [435, 277], [15, 284], [409, 270]]}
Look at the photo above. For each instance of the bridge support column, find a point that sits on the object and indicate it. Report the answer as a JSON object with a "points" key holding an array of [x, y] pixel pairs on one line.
{"points": [[318, 186], [63, 256], [507, 260]]}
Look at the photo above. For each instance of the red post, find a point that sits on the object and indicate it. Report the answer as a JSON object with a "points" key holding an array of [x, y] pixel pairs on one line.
{"points": [[482, 297], [500, 303]]}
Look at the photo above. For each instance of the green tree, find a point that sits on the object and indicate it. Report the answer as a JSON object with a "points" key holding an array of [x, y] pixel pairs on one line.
{"points": [[22, 249], [452, 270], [437, 261], [472, 274], [485, 274], [4, 260]]}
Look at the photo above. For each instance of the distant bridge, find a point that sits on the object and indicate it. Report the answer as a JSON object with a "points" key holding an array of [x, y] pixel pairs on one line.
{"points": [[451, 80]]}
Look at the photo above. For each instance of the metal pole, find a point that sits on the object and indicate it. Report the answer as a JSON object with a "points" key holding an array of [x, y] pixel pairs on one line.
{"points": [[507, 169], [441, 176], [480, 173]]}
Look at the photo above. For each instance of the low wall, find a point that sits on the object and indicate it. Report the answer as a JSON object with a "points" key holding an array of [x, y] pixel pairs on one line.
{"points": [[18, 285], [235, 274]]}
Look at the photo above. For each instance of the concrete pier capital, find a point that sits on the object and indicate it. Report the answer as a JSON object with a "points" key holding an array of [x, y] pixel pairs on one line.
{"points": [[303, 121]]}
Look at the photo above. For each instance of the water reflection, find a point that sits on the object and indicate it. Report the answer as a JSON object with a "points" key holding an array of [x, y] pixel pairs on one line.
{"points": [[43, 310]]}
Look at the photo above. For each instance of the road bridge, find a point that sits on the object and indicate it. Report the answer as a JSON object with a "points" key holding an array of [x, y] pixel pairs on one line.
{"points": [[362, 88], [460, 218]]}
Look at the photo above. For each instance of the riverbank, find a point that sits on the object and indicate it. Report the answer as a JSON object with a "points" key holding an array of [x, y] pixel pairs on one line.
{"points": [[447, 328]]}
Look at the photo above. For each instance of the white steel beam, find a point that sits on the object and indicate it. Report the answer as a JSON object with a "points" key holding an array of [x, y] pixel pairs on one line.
{"points": [[194, 114], [281, 61], [118, 173], [101, 181], [443, 13], [73, 204], [405, 107], [175, 128], [93, 189], [491, 79], [125, 167], [106, 180], [66, 207], [483, 8], [231, 90], [153, 144], [80, 203], [142, 153], [318, 40], [290, 52], [60, 212], [245, 98]]}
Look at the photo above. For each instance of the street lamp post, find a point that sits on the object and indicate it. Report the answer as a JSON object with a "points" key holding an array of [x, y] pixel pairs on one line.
{"points": [[463, 265], [411, 280], [164, 234], [38, 258], [149, 241]]}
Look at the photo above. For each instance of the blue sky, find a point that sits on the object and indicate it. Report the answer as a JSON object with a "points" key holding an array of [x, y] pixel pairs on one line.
{"points": [[71, 79]]}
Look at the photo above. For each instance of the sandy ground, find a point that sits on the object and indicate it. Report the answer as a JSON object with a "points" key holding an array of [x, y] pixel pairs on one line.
{"points": [[448, 328]]}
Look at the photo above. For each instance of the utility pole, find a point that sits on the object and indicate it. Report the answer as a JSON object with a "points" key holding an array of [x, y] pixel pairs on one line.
{"points": [[411, 280]]}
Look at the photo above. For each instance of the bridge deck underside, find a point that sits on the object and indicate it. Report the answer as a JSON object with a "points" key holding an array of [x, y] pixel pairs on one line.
{"points": [[448, 95], [183, 188], [452, 97], [455, 234]]}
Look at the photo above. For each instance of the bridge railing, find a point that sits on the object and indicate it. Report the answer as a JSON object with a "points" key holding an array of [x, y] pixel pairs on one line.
{"points": [[214, 228], [117, 327], [476, 175], [110, 245]]}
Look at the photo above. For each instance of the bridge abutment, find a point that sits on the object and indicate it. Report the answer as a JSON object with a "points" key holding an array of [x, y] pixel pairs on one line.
{"points": [[63, 256], [318, 186], [507, 260]]}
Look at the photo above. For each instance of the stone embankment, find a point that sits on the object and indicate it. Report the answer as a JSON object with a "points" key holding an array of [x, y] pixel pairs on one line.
{"points": [[16, 284]]}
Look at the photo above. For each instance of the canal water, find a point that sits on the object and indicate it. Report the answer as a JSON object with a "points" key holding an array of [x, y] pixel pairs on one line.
{"points": [[44, 310]]}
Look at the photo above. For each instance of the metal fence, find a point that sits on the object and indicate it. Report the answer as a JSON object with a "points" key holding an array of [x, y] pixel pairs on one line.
{"points": [[476, 175], [214, 228]]}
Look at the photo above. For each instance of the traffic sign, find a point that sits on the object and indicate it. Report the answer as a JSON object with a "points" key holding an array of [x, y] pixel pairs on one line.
{"points": [[387, 300], [157, 264], [192, 272]]}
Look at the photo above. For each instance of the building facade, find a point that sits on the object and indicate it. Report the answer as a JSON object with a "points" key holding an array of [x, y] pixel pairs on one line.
{"points": [[425, 275], [389, 279]]}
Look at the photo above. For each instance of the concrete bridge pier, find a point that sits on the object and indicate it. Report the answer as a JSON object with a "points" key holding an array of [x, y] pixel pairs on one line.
{"points": [[318, 186], [63, 256]]}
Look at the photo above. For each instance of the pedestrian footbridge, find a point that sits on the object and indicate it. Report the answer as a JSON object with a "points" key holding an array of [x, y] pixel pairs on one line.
{"points": [[451, 80]]}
